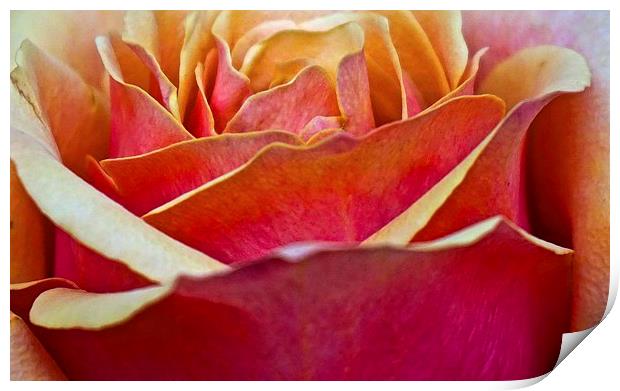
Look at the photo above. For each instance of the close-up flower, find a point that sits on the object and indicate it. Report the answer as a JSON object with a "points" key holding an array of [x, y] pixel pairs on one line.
{"points": [[306, 195]]}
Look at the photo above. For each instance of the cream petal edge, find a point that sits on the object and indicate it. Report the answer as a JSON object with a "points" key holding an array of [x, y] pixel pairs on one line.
{"points": [[63, 308], [95, 220], [405, 226]]}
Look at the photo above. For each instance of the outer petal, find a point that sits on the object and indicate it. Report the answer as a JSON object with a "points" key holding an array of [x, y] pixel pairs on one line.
{"points": [[147, 181], [342, 189], [29, 359], [30, 236], [569, 148], [289, 106], [93, 219], [51, 30], [437, 311]]}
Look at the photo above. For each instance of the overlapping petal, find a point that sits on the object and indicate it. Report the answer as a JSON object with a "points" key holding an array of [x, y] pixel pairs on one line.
{"points": [[144, 182], [440, 310], [90, 217], [341, 189], [568, 155]]}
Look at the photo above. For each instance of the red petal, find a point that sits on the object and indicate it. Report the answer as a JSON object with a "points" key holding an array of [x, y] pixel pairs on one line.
{"points": [[90, 270], [493, 309], [495, 184], [568, 154], [354, 94], [146, 181], [342, 189], [139, 123], [230, 89]]}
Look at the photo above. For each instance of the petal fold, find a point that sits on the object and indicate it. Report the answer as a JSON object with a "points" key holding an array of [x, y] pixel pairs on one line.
{"points": [[341, 189], [439, 311]]}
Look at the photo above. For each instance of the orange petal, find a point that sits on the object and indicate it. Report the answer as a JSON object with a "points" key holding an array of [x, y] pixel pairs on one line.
{"points": [[325, 48], [466, 87], [437, 311], [443, 29], [289, 106], [255, 35], [170, 29], [76, 114], [340, 189], [417, 56], [51, 30], [30, 236], [146, 181], [384, 70], [164, 91]]}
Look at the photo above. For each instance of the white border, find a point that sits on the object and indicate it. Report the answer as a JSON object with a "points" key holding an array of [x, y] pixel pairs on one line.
{"points": [[592, 366]]}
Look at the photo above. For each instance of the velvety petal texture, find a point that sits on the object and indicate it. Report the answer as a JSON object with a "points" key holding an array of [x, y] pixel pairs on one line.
{"points": [[340, 189], [306, 195], [568, 151], [374, 314]]}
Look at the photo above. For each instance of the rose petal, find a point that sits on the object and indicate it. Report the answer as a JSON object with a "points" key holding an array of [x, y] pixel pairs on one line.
{"points": [[340, 190], [569, 145], [232, 26], [139, 123], [496, 181], [197, 43], [161, 33], [96, 221], [443, 29], [230, 89], [466, 87], [384, 70], [417, 56], [320, 124], [24, 294], [353, 91], [255, 35], [29, 360], [288, 107], [436, 311], [163, 90], [325, 48], [51, 30], [144, 182], [200, 120], [75, 112], [30, 236]]}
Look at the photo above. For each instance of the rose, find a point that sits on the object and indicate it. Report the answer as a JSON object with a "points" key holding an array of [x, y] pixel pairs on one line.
{"points": [[423, 311]]}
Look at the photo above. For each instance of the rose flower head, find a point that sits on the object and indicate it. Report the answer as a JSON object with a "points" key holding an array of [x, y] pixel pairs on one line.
{"points": [[297, 195]]}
